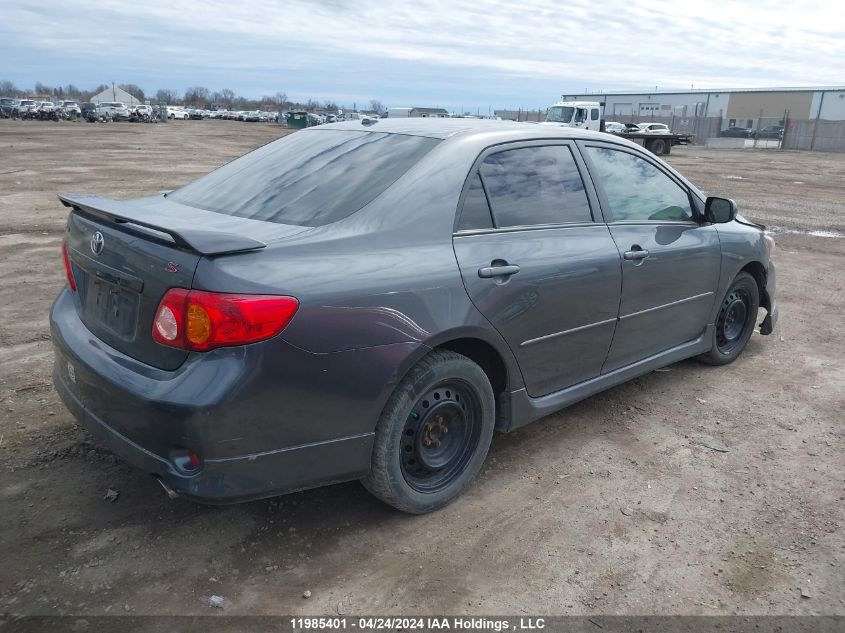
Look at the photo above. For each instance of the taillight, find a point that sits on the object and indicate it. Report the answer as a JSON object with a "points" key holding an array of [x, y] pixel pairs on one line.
{"points": [[68, 270], [199, 321]]}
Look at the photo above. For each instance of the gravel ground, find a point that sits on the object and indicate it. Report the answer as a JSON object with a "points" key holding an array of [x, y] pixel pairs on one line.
{"points": [[613, 506]]}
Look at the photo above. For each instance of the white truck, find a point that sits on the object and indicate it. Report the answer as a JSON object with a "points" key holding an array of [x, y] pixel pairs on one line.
{"points": [[583, 114], [655, 137]]}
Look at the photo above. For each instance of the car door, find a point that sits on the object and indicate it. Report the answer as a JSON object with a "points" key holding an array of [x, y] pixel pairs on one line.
{"points": [[671, 261], [536, 264]]}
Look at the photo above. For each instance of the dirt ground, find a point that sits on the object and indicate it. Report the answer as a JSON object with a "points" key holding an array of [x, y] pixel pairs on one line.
{"points": [[613, 506]]}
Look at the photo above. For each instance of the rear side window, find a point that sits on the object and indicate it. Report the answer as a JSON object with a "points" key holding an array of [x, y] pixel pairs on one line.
{"points": [[535, 185], [636, 189], [475, 213], [307, 178]]}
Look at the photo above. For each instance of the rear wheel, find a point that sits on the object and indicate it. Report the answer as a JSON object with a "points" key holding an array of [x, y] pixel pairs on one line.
{"points": [[658, 146], [735, 321], [433, 435]]}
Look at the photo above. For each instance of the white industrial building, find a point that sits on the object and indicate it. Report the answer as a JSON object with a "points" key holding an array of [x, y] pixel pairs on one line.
{"points": [[116, 94], [736, 107]]}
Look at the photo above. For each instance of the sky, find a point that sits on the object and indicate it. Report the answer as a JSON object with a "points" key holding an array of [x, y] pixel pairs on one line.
{"points": [[464, 56]]}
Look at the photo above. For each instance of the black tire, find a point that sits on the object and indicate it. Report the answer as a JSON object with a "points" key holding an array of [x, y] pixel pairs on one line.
{"points": [[658, 146], [419, 464], [735, 321]]}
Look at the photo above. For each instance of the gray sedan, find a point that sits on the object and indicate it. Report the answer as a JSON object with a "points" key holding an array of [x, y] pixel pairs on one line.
{"points": [[372, 300]]}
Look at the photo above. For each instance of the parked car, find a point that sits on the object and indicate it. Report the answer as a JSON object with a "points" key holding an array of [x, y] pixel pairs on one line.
{"points": [[89, 111], [70, 108], [25, 105], [737, 132], [114, 110], [9, 107], [654, 128], [143, 109], [252, 116], [372, 300], [176, 113], [770, 131]]}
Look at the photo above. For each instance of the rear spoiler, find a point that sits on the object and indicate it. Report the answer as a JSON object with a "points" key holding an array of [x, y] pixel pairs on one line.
{"points": [[196, 240]]}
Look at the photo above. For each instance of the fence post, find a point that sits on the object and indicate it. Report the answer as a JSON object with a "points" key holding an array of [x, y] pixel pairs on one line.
{"points": [[816, 122], [757, 131], [785, 128]]}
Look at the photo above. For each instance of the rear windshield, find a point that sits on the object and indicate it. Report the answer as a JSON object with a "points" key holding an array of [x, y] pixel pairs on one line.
{"points": [[307, 178]]}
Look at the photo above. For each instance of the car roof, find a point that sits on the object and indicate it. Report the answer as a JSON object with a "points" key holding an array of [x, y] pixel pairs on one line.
{"points": [[444, 128]]}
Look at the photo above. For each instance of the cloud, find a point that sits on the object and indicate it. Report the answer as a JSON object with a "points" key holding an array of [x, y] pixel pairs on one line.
{"points": [[510, 53]]}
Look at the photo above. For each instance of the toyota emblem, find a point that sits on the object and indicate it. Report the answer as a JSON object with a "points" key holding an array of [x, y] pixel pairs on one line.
{"points": [[97, 243]]}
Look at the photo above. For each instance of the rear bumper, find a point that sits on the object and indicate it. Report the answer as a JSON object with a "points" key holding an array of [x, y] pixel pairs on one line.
{"points": [[233, 479], [266, 419], [769, 301]]}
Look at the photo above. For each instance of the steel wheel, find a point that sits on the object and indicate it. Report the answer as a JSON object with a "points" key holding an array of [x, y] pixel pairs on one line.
{"points": [[734, 320], [440, 435]]}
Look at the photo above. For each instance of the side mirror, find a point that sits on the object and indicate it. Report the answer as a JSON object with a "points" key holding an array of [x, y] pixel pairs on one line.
{"points": [[719, 210]]}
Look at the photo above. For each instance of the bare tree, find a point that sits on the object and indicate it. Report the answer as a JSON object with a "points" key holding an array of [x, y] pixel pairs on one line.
{"points": [[164, 95], [376, 106], [280, 99], [227, 97], [134, 90], [42, 89], [7, 88], [197, 95]]}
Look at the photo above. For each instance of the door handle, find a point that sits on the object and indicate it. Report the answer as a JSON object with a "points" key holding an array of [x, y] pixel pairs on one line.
{"points": [[502, 270], [636, 253]]}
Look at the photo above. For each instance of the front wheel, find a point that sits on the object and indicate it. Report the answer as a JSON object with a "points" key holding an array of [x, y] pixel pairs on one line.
{"points": [[433, 435], [735, 321]]}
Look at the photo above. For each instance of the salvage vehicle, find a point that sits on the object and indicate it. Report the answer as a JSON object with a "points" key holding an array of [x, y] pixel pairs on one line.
{"points": [[177, 113], [113, 110], [737, 132], [371, 300], [70, 108], [654, 128], [770, 131], [9, 107]]}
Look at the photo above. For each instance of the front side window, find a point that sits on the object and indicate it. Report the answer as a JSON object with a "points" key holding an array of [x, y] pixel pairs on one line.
{"points": [[636, 189], [535, 185], [308, 178]]}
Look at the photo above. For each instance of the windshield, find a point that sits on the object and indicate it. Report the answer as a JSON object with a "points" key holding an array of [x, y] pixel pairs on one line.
{"points": [[560, 114], [307, 178]]}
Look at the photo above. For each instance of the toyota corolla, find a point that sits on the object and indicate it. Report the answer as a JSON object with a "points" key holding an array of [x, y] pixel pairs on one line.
{"points": [[372, 300]]}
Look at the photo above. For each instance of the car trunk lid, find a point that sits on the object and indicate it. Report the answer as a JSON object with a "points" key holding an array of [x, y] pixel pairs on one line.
{"points": [[125, 255]]}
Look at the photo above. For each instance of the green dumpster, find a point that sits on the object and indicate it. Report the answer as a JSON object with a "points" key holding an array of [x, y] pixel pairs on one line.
{"points": [[297, 119]]}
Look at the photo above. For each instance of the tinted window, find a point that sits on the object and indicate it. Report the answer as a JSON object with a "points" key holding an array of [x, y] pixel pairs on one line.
{"points": [[475, 213], [594, 114], [307, 178], [636, 189], [535, 185]]}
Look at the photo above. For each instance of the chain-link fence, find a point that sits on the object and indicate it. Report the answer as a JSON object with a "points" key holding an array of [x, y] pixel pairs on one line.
{"points": [[780, 132]]}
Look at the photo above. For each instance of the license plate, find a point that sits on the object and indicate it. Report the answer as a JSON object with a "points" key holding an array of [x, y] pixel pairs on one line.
{"points": [[113, 307]]}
